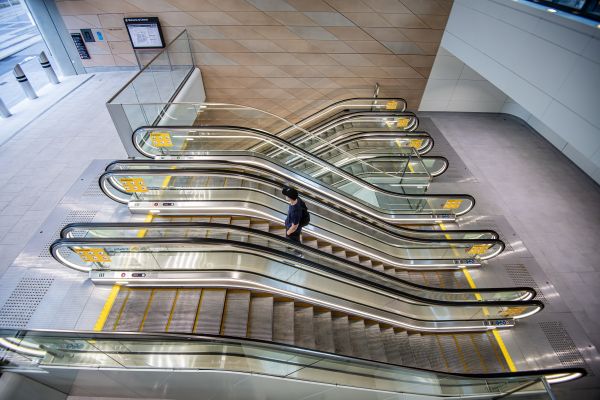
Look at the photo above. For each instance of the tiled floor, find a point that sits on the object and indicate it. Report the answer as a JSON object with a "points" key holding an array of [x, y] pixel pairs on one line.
{"points": [[39, 164]]}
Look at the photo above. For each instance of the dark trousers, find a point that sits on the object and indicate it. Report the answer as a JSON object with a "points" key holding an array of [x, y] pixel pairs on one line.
{"points": [[294, 237]]}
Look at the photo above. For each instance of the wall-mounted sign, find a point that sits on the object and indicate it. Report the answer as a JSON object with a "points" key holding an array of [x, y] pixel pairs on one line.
{"points": [[80, 45], [144, 33], [87, 35]]}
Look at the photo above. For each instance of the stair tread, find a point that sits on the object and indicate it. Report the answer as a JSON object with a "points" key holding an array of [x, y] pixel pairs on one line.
{"points": [[358, 338], [260, 324], [341, 335], [237, 307], [304, 335], [283, 322], [323, 328], [210, 311]]}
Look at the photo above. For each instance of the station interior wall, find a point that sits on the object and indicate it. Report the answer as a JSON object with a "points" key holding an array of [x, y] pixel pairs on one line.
{"points": [[503, 56]]}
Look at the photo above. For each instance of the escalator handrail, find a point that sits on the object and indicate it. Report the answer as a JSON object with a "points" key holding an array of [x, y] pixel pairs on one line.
{"points": [[298, 123], [271, 236], [278, 253], [144, 336], [312, 158], [263, 180], [260, 179]]}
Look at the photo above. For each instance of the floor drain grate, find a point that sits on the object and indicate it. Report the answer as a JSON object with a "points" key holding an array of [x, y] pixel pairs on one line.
{"points": [[562, 344], [23, 302], [521, 277], [73, 216]]}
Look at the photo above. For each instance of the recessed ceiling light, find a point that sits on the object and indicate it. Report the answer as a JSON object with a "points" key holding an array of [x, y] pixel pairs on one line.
{"points": [[552, 10]]}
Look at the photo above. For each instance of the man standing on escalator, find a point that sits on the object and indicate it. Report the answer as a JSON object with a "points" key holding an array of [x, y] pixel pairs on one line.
{"points": [[297, 217]]}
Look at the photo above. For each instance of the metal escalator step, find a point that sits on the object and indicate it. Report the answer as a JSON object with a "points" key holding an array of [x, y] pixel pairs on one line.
{"points": [[378, 267], [260, 226], [341, 335], [451, 355], [133, 311], [433, 353], [470, 355], [390, 271], [221, 220], [353, 258], [402, 274], [210, 311], [260, 324], [113, 316], [375, 341], [283, 321], [338, 252], [417, 277], [366, 263], [245, 222], [157, 314], [358, 338], [391, 346], [233, 182], [419, 350], [312, 243], [323, 327], [327, 248], [235, 315], [217, 181], [304, 333], [404, 347], [487, 359], [492, 348], [184, 312]]}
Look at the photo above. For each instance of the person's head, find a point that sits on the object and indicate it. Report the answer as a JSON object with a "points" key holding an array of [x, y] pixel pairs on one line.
{"points": [[291, 194]]}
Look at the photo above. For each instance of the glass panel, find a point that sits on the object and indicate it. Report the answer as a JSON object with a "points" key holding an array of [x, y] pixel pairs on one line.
{"points": [[100, 350]]}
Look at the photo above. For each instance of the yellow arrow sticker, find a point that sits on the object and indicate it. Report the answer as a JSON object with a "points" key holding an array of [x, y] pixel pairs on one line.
{"points": [[452, 204], [391, 105], [402, 122], [416, 143], [93, 255], [134, 185], [478, 249], [161, 139]]}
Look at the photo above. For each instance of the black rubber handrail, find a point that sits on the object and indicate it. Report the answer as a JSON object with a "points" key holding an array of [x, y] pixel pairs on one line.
{"points": [[272, 236]]}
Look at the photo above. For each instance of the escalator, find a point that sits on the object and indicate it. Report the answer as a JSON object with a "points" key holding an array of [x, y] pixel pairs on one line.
{"points": [[222, 144], [198, 192]]}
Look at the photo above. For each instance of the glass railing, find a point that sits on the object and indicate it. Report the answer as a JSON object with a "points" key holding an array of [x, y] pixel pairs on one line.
{"points": [[240, 263], [347, 212], [195, 230], [51, 352], [146, 96], [217, 193], [176, 143]]}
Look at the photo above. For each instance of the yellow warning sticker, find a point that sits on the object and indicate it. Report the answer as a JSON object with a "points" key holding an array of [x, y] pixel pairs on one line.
{"points": [[161, 139], [134, 185], [402, 122], [478, 249], [452, 204], [416, 143], [93, 255], [391, 105], [513, 311]]}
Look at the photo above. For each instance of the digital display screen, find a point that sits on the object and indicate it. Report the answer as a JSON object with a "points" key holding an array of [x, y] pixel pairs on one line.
{"points": [[145, 33]]}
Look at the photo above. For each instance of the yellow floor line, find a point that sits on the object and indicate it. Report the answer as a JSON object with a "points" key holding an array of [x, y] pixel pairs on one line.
{"points": [[504, 350], [143, 232], [507, 357], [172, 310], [114, 292]]}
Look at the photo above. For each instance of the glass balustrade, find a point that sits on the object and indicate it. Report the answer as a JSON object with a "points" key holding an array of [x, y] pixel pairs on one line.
{"points": [[51, 351]]}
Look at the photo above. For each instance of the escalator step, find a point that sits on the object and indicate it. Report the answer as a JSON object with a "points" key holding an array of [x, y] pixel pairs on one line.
{"points": [[233, 182], [260, 324], [418, 350], [323, 326], [404, 347], [391, 345], [341, 335], [158, 311], [221, 220], [433, 354], [327, 248], [210, 311], [133, 312], [237, 307], [184, 313], [495, 348], [358, 338], [113, 316], [376, 348], [451, 354], [283, 321], [304, 333], [260, 226], [240, 222], [470, 356]]}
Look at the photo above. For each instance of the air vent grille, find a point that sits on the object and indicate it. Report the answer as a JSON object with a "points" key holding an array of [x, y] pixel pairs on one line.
{"points": [[23, 302], [521, 277]]}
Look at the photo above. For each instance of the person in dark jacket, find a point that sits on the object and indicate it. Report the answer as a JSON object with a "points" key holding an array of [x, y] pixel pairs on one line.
{"points": [[293, 222]]}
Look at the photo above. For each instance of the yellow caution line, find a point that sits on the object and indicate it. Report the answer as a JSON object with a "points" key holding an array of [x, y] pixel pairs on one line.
{"points": [[507, 357], [504, 350], [147, 310], [143, 232], [107, 307]]}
